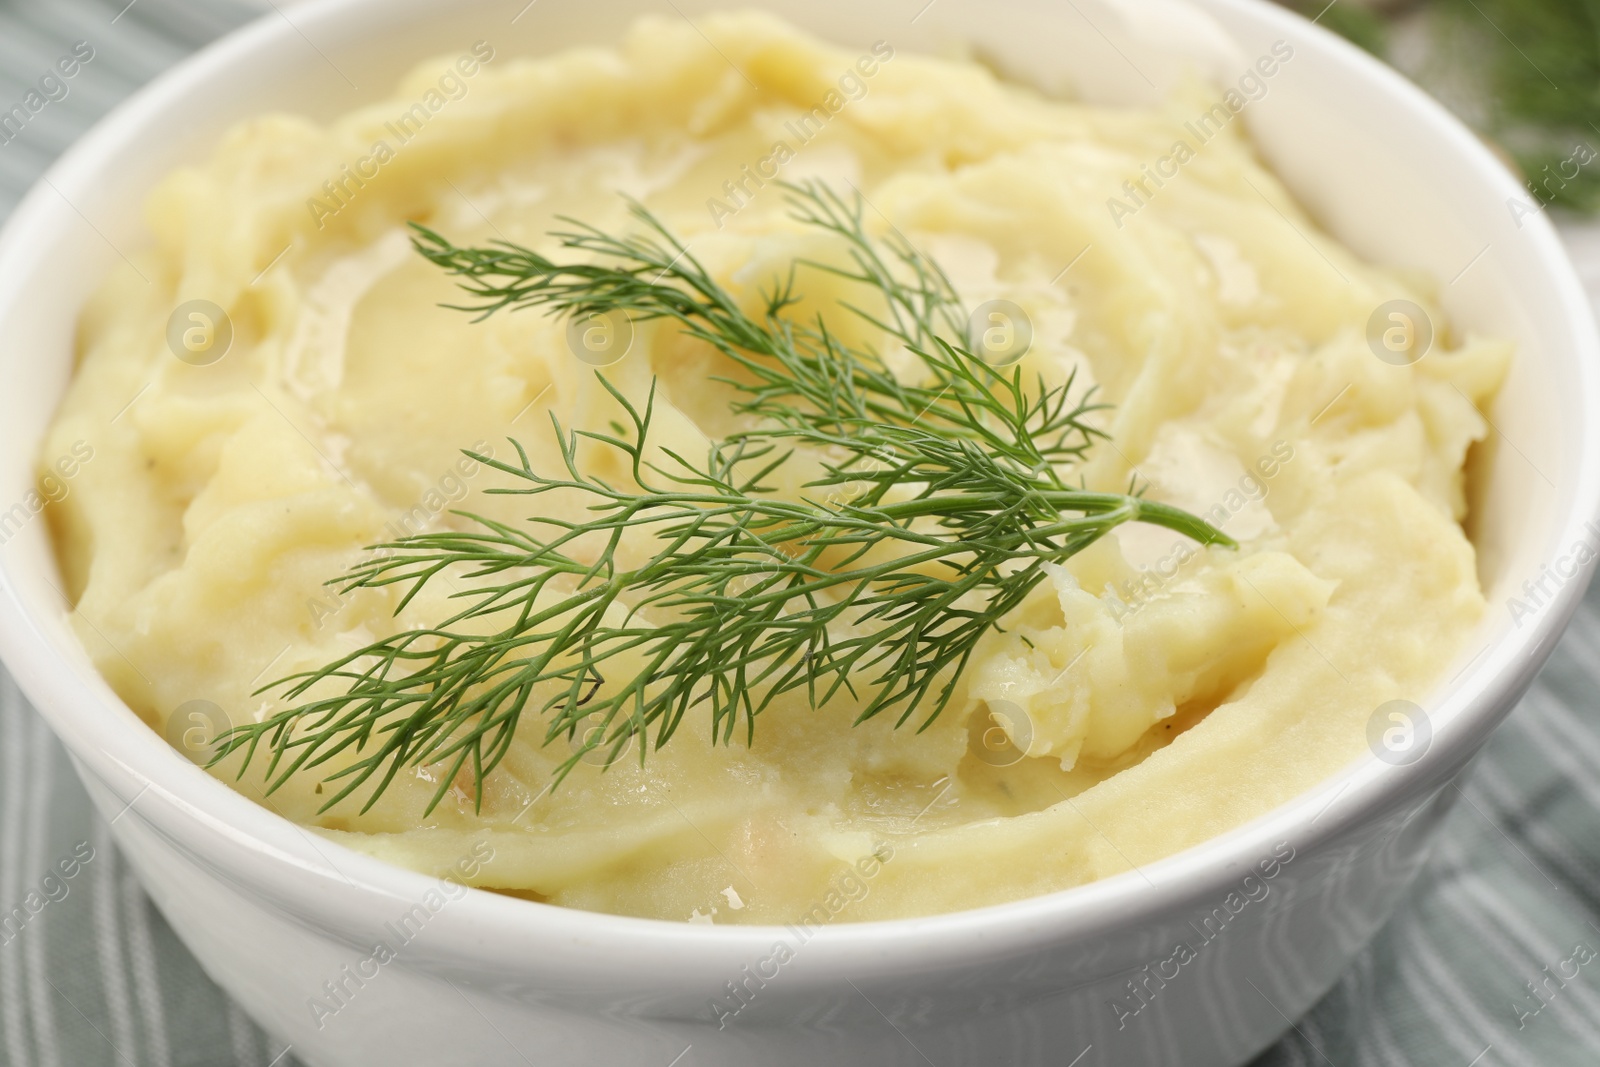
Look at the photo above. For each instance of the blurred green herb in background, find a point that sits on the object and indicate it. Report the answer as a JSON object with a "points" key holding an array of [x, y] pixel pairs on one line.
{"points": [[1533, 64]]}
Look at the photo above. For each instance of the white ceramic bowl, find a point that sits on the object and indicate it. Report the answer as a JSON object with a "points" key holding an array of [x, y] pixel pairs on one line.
{"points": [[273, 914]]}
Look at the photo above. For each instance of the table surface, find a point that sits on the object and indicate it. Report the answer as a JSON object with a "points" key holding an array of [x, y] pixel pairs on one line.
{"points": [[1513, 887]]}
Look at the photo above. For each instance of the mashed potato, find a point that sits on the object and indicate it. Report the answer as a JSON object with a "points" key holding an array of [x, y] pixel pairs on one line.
{"points": [[1149, 695]]}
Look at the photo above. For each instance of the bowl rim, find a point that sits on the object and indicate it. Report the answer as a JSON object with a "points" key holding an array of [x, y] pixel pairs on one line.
{"points": [[260, 848]]}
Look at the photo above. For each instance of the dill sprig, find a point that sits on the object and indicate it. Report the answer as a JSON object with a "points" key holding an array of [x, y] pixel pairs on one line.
{"points": [[938, 506], [1524, 72], [1543, 79]]}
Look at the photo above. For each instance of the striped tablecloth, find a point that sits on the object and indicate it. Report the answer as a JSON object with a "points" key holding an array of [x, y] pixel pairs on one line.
{"points": [[1511, 895]]}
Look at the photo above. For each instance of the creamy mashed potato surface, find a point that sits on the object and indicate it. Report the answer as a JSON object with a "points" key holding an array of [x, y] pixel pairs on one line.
{"points": [[1149, 695]]}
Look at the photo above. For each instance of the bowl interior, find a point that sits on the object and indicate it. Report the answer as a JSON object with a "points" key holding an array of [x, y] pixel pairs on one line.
{"points": [[1377, 164]]}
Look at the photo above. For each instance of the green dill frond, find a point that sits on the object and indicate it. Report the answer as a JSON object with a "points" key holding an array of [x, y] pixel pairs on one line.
{"points": [[940, 503]]}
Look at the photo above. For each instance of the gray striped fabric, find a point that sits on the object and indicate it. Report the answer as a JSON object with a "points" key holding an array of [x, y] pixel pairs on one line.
{"points": [[96, 976]]}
